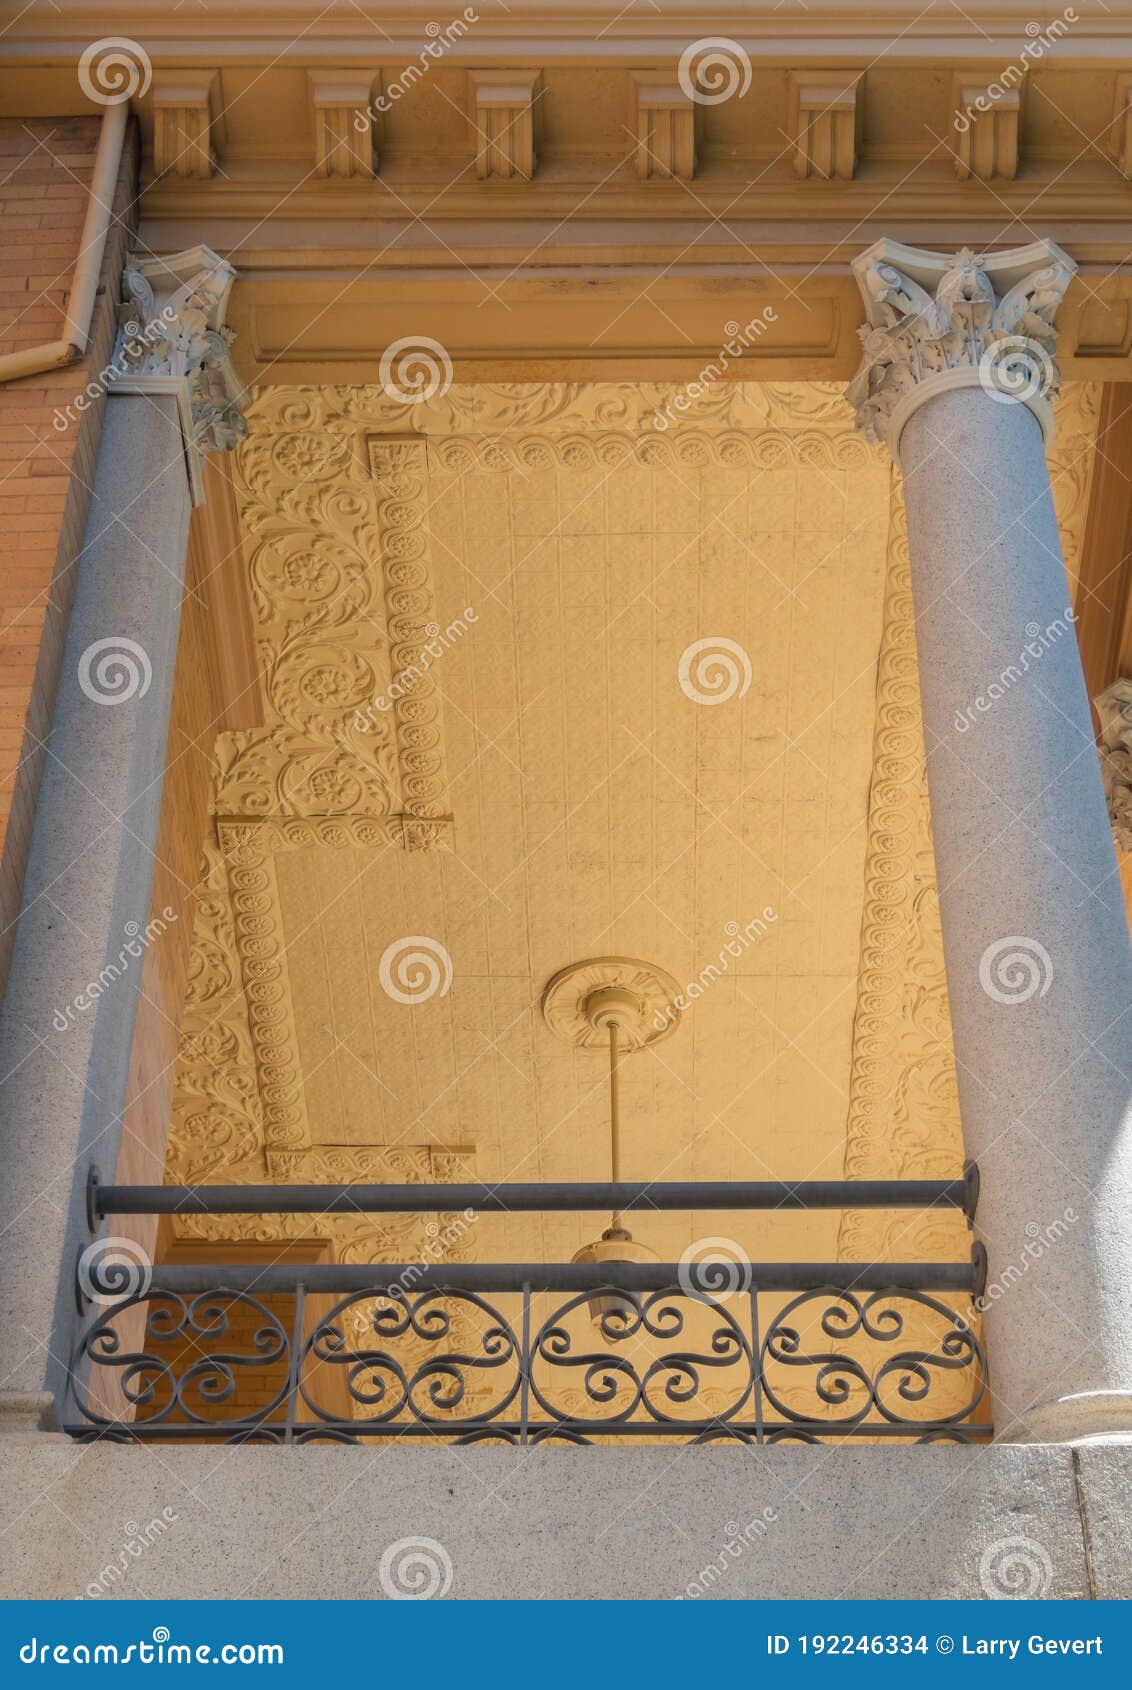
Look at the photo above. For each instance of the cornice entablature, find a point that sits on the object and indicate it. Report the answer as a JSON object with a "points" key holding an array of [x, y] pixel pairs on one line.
{"points": [[697, 92], [172, 339], [824, 29], [935, 320]]}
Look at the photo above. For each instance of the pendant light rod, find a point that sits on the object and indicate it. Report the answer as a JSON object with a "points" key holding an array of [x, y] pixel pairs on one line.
{"points": [[615, 1219]]}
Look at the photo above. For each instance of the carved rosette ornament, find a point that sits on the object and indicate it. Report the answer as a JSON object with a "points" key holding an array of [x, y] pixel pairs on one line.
{"points": [[937, 320], [172, 339]]}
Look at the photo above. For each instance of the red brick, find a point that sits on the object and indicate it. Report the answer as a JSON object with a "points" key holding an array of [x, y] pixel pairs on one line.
{"points": [[45, 472]]}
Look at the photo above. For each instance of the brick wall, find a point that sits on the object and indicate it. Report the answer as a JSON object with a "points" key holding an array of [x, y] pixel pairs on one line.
{"points": [[46, 471]]}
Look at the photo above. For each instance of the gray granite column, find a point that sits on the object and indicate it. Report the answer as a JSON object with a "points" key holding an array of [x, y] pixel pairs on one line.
{"points": [[67, 1021], [956, 378]]}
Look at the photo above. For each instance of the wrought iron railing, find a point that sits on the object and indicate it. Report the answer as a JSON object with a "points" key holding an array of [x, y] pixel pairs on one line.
{"points": [[700, 1352]]}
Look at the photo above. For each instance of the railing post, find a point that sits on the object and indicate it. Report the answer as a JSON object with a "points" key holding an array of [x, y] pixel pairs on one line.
{"points": [[525, 1367], [295, 1362], [757, 1364]]}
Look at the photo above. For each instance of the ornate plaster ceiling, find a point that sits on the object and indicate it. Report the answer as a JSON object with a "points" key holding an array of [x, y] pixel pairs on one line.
{"points": [[399, 865]]}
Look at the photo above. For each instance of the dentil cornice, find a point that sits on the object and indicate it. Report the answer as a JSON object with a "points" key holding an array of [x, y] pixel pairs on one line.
{"points": [[935, 320], [172, 339]]}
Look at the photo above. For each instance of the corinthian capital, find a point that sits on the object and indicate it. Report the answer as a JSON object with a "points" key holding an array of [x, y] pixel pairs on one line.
{"points": [[172, 339], [935, 320]]}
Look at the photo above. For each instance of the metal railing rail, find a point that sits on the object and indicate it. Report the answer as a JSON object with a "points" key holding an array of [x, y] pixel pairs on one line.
{"points": [[351, 1279], [484, 1198]]}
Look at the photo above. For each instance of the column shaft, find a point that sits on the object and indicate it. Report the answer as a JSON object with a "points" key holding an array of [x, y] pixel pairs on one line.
{"points": [[88, 882], [1039, 966]]}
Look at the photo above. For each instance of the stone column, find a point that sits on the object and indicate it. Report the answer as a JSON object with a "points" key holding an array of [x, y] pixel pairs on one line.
{"points": [[67, 1021], [957, 377]]}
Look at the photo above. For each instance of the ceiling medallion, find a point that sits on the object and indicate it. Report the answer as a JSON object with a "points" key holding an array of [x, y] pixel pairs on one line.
{"points": [[585, 1000], [619, 1005]]}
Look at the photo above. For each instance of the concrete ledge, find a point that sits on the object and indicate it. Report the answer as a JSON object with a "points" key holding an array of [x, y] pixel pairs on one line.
{"points": [[1104, 1485], [725, 1522]]}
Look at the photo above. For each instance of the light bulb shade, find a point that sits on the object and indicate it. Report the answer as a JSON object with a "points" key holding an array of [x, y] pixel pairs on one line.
{"points": [[616, 1244]]}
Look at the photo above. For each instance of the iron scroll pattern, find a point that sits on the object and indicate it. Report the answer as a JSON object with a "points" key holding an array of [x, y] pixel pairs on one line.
{"points": [[530, 1367]]}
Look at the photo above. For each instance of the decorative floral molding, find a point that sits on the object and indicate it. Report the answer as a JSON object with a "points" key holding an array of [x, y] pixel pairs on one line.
{"points": [[903, 1099], [217, 1124], [342, 598], [929, 314], [307, 508], [689, 448], [246, 840], [555, 407], [376, 1164], [262, 949], [1071, 459], [400, 471], [1114, 707]]}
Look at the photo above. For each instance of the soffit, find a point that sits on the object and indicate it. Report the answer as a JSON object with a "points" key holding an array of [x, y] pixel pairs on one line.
{"points": [[547, 791]]}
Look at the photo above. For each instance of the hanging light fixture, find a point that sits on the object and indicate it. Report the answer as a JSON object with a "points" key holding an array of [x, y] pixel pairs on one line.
{"points": [[618, 1005]]}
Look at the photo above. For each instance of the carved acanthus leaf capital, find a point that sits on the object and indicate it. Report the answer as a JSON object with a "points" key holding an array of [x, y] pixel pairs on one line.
{"points": [[935, 320], [1114, 708], [172, 339]]}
